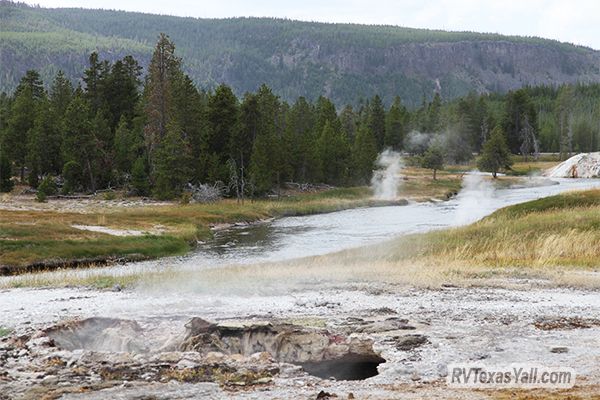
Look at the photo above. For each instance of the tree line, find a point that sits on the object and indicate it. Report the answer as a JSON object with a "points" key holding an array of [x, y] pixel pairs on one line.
{"points": [[156, 134]]}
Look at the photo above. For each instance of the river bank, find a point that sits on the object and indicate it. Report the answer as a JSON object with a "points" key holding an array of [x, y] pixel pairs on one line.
{"points": [[77, 233]]}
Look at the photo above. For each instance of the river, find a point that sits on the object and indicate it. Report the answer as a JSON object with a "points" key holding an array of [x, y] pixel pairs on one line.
{"points": [[293, 237]]}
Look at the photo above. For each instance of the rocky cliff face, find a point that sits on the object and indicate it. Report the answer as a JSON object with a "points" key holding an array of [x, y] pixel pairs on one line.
{"points": [[484, 66]]}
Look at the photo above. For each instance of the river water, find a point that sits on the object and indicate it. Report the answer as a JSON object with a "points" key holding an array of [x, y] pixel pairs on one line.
{"points": [[294, 237]]}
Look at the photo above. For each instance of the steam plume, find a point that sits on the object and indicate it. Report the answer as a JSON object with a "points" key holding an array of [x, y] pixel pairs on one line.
{"points": [[386, 179]]}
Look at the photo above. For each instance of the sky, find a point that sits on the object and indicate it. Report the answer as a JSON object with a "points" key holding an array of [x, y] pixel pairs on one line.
{"points": [[575, 21]]}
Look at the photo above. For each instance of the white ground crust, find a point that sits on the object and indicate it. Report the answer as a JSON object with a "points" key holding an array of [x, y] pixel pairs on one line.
{"points": [[109, 231], [584, 165], [494, 326]]}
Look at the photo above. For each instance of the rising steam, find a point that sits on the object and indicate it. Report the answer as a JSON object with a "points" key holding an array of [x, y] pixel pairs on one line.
{"points": [[386, 179], [474, 199]]}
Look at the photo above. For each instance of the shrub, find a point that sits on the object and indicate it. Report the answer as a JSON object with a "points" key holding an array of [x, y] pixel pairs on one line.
{"points": [[48, 186], [41, 196]]}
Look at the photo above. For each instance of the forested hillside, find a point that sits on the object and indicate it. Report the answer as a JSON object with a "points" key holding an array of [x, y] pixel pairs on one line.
{"points": [[343, 62], [157, 133]]}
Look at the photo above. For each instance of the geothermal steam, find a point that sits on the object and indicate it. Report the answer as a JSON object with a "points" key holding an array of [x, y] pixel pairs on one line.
{"points": [[474, 199], [386, 178]]}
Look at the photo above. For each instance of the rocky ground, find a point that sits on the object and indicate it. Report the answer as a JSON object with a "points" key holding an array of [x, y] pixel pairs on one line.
{"points": [[392, 342]]}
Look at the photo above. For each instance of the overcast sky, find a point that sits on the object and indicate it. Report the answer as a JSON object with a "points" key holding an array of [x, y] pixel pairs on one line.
{"points": [[575, 21]]}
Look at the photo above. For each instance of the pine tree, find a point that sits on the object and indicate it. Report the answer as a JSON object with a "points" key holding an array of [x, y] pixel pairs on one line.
{"points": [[396, 124], [434, 114], [44, 155], [121, 90], [518, 106], [299, 141], [266, 165], [223, 115], [495, 154], [261, 165], [80, 147], [332, 152], [61, 93], [140, 182], [96, 78], [189, 110], [20, 124], [325, 112], [433, 159], [364, 153], [172, 161], [165, 67], [32, 83], [127, 148], [377, 121], [6, 183]]}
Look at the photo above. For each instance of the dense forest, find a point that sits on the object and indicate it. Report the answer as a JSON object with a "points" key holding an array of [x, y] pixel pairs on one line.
{"points": [[159, 134], [343, 62]]}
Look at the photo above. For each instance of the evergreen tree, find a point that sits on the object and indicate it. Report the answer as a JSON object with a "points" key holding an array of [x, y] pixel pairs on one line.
{"points": [[364, 153], [6, 183], [129, 146], [80, 147], [396, 125], [349, 122], [71, 174], [434, 114], [433, 159], [300, 139], [223, 119], [261, 165], [377, 121], [241, 144], [164, 69], [325, 112], [121, 90], [140, 182], [44, 148], [96, 78], [172, 161], [61, 93], [32, 83], [103, 137], [495, 154], [20, 124], [189, 110], [332, 152], [266, 166], [518, 107]]}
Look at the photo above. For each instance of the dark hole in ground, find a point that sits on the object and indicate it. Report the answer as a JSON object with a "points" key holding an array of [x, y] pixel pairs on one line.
{"points": [[348, 368], [321, 353]]}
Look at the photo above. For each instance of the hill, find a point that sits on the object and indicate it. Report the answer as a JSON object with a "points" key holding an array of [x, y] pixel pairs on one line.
{"points": [[345, 62]]}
